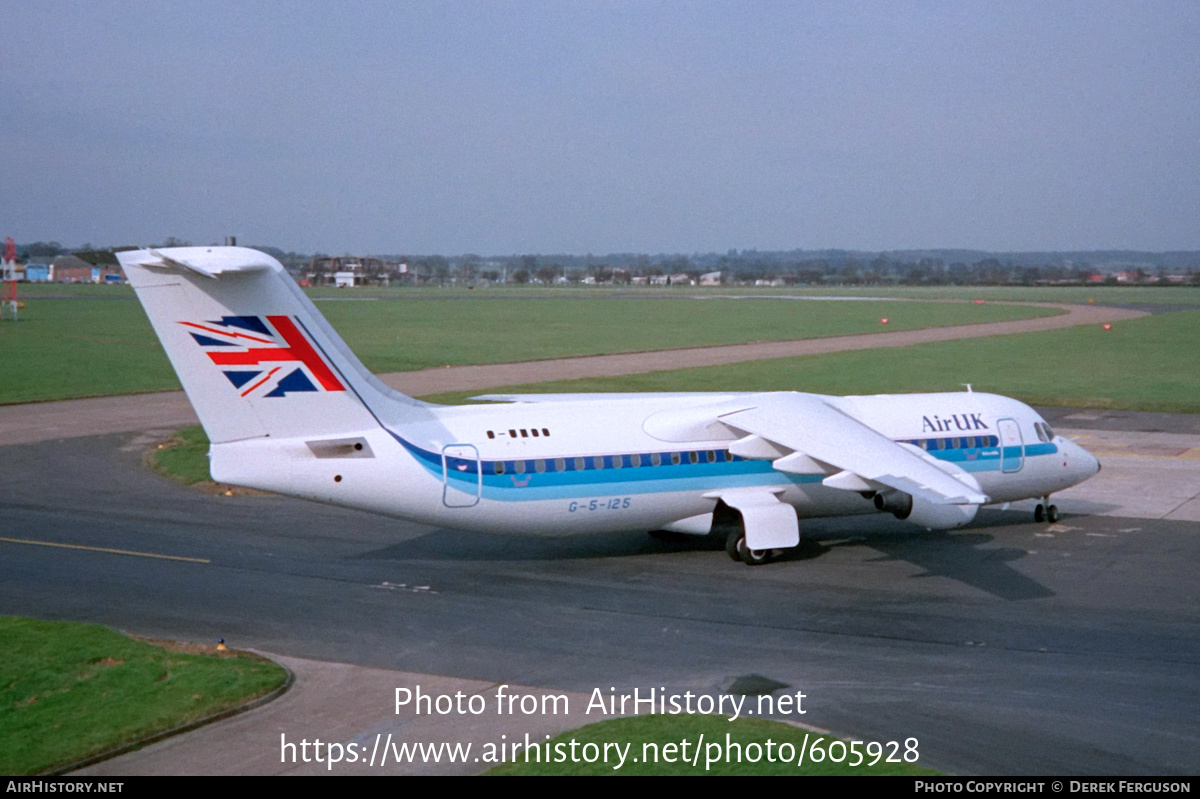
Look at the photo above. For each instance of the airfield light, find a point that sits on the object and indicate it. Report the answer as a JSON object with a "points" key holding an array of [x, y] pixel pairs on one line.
{"points": [[883, 321]]}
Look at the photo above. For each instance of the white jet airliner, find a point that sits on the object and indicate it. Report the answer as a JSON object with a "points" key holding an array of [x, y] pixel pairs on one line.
{"points": [[290, 409]]}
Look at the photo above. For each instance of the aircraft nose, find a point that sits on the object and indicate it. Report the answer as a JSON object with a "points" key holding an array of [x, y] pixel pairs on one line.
{"points": [[1086, 463]]}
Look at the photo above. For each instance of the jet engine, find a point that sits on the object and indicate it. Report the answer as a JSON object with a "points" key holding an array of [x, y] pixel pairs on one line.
{"points": [[927, 514]]}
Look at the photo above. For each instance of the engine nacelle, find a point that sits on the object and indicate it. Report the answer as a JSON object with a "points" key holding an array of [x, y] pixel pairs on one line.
{"points": [[897, 503], [941, 517], [918, 511]]}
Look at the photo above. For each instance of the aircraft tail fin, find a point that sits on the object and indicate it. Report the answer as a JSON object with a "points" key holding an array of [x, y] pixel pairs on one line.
{"points": [[254, 355]]}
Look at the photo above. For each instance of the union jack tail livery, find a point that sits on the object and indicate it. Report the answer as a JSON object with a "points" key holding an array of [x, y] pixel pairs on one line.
{"points": [[256, 358], [271, 354]]}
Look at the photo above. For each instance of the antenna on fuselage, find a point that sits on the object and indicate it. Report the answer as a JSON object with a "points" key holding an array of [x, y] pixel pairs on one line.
{"points": [[968, 385]]}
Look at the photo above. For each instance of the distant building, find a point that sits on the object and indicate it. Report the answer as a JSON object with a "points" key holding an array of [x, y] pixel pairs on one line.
{"points": [[710, 279], [72, 269], [352, 270], [39, 273]]}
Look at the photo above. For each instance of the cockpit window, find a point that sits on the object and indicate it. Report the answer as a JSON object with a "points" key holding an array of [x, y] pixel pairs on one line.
{"points": [[1043, 431]]}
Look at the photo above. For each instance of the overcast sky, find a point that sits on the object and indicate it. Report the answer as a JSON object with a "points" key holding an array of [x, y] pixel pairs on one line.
{"points": [[575, 127]]}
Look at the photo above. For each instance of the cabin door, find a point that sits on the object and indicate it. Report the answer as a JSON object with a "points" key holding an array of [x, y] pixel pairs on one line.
{"points": [[462, 479], [1012, 446]]}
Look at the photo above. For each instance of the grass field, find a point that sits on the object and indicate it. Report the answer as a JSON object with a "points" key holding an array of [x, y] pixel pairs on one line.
{"points": [[101, 343], [1151, 363], [1119, 295], [69, 691], [750, 739], [185, 457]]}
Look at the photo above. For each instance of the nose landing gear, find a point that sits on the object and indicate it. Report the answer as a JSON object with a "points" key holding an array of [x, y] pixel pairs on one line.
{"points": [[1045, 512]]}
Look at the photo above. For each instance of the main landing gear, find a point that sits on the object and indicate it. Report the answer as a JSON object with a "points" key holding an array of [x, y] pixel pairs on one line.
{"points": [[1045, 512], [735, 547]]}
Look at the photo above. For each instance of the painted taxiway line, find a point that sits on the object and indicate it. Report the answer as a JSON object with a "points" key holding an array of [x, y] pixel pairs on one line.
{"points": [[47, 421], [107, 550]]}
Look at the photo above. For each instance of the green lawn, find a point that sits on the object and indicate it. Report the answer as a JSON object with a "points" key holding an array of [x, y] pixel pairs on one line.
{"points": [[184, 457], [1119, 295], [69, 691], [656, 741], [62, 348], [1080, 295], [1138, 295], [1151, 363], [402, 336]]}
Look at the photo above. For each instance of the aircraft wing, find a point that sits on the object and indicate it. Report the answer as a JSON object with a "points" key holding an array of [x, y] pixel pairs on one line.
{"points": [[811, 427], [543, 398]]}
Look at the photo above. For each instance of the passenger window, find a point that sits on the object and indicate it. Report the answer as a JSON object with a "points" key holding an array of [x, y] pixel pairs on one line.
{"points": [[693, 457], [560, 465], [711, 456], [675, 459], [519, 467], [635, 460], [598, 462], [618, 461], [539, 466], [499, 467], [655, 459], [580, 465]]}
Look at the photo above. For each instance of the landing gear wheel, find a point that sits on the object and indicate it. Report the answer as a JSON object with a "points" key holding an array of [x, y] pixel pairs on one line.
{"points": [[1039, 513], [732, 541], [1052, 514], [752, 557]]}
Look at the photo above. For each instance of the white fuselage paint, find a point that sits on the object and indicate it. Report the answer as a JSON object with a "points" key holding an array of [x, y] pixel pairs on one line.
{"points": [[541, 490]]}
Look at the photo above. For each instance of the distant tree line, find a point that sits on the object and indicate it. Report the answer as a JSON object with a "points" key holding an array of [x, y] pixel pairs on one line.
{"points": [[791, 268]]}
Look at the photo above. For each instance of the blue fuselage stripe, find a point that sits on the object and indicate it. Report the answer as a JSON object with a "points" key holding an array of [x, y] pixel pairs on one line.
{"points": [[650, 479]]}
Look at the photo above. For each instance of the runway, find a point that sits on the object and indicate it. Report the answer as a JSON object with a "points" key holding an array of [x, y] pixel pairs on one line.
{"points": [[1005, 648]]}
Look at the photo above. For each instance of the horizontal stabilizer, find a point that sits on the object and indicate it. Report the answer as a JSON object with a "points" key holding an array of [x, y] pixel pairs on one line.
{"points": [[210, 262]]}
